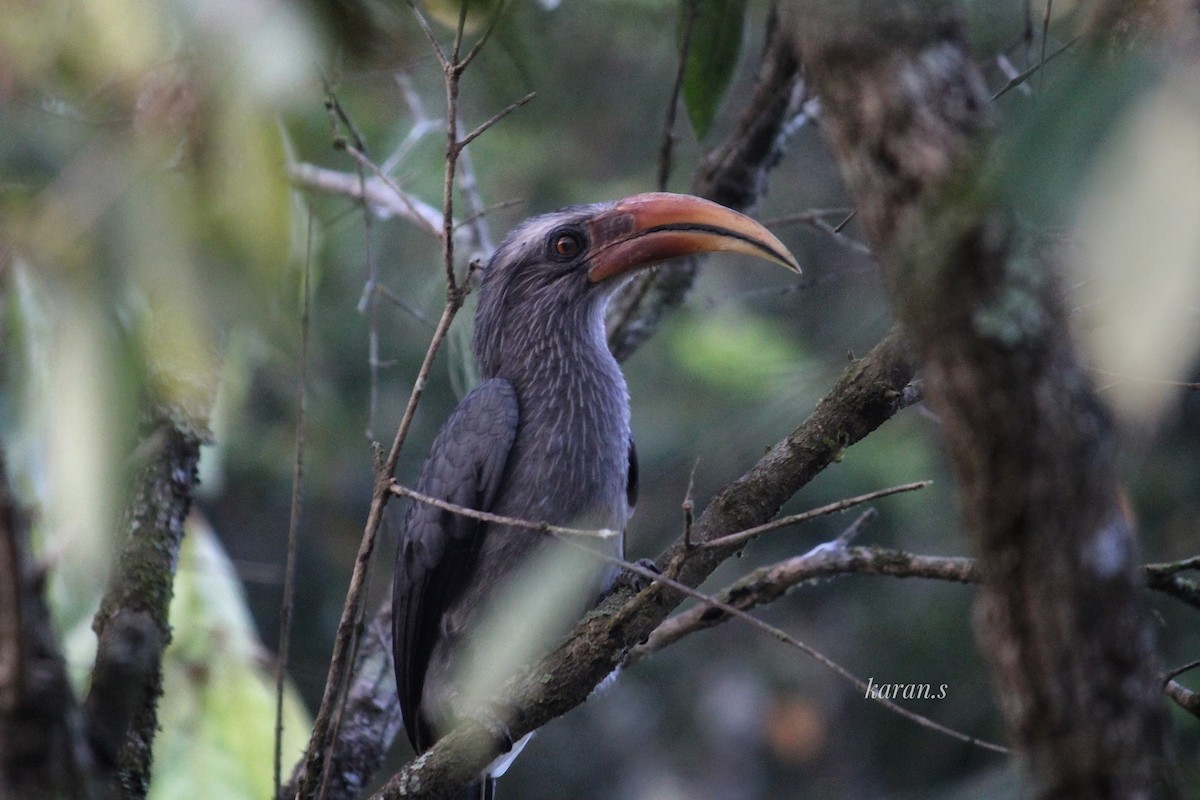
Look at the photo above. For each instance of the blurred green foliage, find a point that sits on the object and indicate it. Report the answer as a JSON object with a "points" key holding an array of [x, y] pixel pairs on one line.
{"points": [[152, 248]]}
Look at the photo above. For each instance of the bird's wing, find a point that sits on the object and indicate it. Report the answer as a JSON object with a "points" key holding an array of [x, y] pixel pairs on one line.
{"points": [[437, 548]]}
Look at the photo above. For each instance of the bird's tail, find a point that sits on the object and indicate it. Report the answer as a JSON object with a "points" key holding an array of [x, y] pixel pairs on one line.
{"points": [[482, 789]]}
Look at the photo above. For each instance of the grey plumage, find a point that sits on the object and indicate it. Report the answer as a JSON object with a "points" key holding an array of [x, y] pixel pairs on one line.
{"points": [[545, 437]]}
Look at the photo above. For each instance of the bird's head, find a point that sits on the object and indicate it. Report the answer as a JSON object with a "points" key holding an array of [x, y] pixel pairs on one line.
{"points": [[559, 269]]}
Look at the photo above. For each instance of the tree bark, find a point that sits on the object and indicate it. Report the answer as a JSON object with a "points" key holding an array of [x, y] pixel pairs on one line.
{"points": [[43, 747], [1060, 616], [131, 624]]}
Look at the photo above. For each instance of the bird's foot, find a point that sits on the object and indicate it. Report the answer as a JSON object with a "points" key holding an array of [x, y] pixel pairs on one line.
{"points": [[639, 579]]}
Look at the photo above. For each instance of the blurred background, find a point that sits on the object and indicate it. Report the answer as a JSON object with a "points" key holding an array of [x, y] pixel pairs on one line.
{"points": [[151, 238]]}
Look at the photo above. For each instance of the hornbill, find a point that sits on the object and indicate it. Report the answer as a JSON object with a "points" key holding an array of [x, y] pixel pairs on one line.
{"points": [[544, 437]]}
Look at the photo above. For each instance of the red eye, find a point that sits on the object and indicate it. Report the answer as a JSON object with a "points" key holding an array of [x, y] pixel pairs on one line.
{"points": [[565, 245]]}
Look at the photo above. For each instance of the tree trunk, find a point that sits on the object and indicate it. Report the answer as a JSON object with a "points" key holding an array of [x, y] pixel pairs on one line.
{"points": [[1061, 615]]}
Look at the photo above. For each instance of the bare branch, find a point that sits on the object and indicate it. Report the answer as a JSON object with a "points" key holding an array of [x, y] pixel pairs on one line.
{"points": [[668, 135], [767, 584], [712, 604], [383, 195], [476, 48], [428, 31], [1175, 673], [473, 135], [1184, 697], [44, 751], [313, 770], [371, 719], [1171, 567], [689, 507], [741, 537], [816, 219], [422, 125], [1019, 79], [131, 624], [499, 519], [1174, 585], [289, 570], [417, 211], [403, 305], [1192, 386], [316, 769]]}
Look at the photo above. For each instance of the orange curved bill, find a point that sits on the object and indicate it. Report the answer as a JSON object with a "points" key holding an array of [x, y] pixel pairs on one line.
{"points": [[649, 228]]}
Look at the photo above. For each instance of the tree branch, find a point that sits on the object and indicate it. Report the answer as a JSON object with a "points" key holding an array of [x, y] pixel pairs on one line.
{"points": [[767, 584], [44, 751], [1184, 697], [131, 625]]}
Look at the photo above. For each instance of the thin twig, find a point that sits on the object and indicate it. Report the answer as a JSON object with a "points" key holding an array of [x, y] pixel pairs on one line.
{"points": [[476, 222], [816, 219], [289, 571], [668, 134], [741, 537], [1120, 376], [499, 519], [345, 641], [415, 213], [1175, 673], [689, 506], [1045, 38], [367, 303], [403, 304], [841, 225], [428, 31], [1171, 567], [339, 118], [791, 641], [855, 528], [473, 135], [421, 125], [484, 211], [1020, 78], [452, 151], [806, 216], [465, 61], [1182, 589], [832, 559], [458, 32]]}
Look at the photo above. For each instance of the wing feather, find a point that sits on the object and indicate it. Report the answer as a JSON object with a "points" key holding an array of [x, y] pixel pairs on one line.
{"points": [[438, 549]]}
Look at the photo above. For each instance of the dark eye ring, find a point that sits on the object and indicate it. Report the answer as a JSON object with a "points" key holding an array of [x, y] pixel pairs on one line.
{"points": [[565, 245]]}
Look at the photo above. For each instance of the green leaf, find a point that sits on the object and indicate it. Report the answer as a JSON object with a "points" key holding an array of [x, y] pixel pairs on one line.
{"points": [[713, 49]]}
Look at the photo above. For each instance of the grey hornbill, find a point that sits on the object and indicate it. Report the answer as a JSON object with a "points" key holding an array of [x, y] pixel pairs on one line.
{"points": [[544, 437]]}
